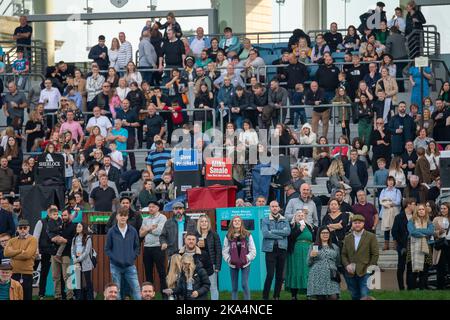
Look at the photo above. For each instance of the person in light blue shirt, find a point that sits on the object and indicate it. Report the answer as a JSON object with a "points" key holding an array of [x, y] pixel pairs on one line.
{"points": [[390, 200], [229, 43], [74, 96]]}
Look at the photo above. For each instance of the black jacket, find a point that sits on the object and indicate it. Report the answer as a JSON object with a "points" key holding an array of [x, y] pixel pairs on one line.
{"points": [[296, 73], [95, 53], [400, 230], [169, 234], [311, 97], [295, 233], [214, 249], [69, 230], [243, 102], [260, 101], [327, 77], [114, 175], [45, 244], [201, 285], [7, 223], [362, 171]]}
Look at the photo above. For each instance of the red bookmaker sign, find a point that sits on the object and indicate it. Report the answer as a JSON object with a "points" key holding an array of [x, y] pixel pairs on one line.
{"points": [[218, 169]]}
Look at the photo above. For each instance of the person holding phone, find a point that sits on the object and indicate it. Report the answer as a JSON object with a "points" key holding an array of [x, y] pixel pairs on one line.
{"points": [[323, 263], [299, 242]]}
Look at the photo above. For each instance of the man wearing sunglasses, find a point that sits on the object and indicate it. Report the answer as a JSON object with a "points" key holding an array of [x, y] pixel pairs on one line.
{"points": [[22, 251]]}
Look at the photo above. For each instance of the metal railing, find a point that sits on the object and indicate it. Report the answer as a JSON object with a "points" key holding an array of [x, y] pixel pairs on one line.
{"points": [[424, 43], [38, 58]]}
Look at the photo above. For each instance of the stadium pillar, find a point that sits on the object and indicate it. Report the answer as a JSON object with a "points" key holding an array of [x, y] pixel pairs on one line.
{"points": [[232, 13], [44, 30], [313, 15]]}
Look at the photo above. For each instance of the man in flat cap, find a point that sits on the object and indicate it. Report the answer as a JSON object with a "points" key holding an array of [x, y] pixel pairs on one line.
{"points": [[359, 251], [10, 289], [22, 251]]}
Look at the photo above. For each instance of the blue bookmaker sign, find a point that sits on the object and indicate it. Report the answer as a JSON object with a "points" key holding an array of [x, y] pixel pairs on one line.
{"points": [[185, 160]]}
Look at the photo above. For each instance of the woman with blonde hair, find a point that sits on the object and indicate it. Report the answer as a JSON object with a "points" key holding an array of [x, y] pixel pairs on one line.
{"points": [[193, 282], [299, 242], [209, 241], [396, 171], [34, 129], [113, 54], [336, 173], [239, 251], [174, 274], [418, 257], [78, 188]]}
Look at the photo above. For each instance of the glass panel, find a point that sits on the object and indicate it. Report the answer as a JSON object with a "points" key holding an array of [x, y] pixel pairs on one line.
{"points": [[438, 15], [347, 12]]}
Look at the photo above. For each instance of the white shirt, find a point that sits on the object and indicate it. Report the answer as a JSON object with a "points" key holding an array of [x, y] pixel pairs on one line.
{"points": [[113, 59], [248, 138], [102, 122], [433, 163], [122, 93], [117, 157], [52, 96], [197, 46], [125, 55], [123, 231], [357, 238]]}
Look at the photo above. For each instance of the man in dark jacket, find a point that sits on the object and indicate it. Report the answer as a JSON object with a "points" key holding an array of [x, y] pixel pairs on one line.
{"points": [[402, 128], [333, 37], [409, 158], [327, 77], [6, 220], [46, 248], [171, 239], [60, 267], [400, 236], [315, 96], [122, 247], [260, 100], [201, 257], [240, 101], [356, 173], [112, 172], [99, 54], [7, 177]]}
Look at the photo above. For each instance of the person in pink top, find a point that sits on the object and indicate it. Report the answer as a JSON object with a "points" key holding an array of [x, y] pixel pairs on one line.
{"points": [[74, 127]]}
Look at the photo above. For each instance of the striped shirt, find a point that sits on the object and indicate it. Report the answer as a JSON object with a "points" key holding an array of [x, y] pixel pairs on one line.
{"points": [[125, 55], [157, 161]]}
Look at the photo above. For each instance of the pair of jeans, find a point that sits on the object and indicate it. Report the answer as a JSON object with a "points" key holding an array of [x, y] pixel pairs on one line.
{"points": [[275, 261], [234, 272], [401, 266], [26, 281], [147, 75], [129, 274], [59, 270], [155, 256], [45, 268], [357, 286], [86, 292], [214, 289], [237, 120]]}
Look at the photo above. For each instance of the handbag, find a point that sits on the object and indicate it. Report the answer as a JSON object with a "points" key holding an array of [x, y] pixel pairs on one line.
{"points": [[334, 274], [441, 243]]}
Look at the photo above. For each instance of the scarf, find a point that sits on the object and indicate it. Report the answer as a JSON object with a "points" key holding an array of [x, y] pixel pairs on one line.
{"points": [[419, 248]]}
